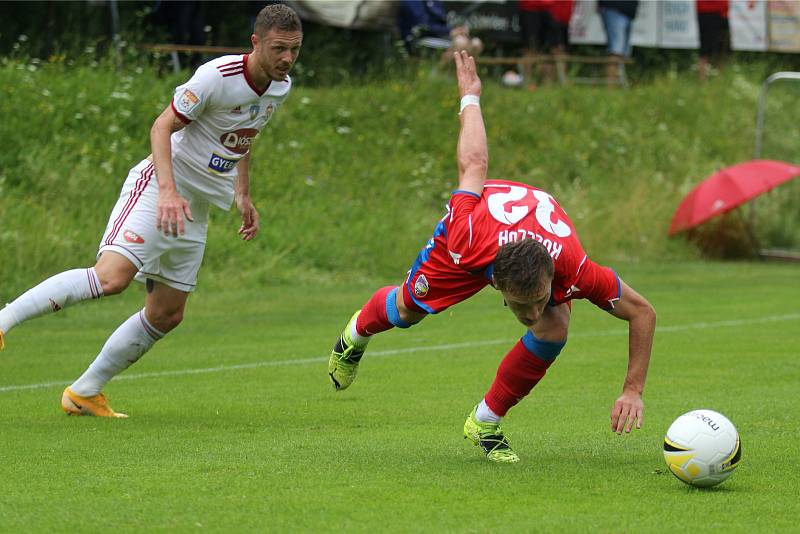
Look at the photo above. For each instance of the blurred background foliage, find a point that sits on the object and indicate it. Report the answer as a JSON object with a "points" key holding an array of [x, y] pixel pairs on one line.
{"points": [[78, 30], [352, 175]]}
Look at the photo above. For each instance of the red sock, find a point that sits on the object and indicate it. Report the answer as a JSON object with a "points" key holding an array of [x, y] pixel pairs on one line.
{"points": [[373, 318], [519, 371]]}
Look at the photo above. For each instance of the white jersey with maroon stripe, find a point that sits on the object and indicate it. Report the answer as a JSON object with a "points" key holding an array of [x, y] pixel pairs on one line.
{"points": [[224, 111]]}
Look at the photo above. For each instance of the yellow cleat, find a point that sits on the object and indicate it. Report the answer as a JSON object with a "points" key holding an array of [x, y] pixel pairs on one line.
{"points": [[2, 340], [97, 405], [490, 438], [345, 357]]}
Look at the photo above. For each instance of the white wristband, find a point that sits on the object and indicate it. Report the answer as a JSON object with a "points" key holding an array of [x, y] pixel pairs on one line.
{"points": [[469, 100]]}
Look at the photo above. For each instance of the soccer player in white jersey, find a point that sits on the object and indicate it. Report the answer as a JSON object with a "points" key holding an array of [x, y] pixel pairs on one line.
{"points": [[157, 231]]}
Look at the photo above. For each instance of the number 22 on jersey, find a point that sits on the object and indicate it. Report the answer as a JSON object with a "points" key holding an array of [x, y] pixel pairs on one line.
{"points": [[512, 206]]}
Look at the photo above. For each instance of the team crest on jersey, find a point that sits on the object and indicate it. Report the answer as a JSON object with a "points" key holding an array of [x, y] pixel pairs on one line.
{"points": [[254, 109], [269, 110], [421, 286], [132, 237], [187, 101]]}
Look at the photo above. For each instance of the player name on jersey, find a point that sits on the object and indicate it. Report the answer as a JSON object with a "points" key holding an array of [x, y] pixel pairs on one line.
{"points": [[508, 236]]}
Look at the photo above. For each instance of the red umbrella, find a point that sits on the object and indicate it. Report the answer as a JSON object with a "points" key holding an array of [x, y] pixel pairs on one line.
{"points": [[729, 188]]}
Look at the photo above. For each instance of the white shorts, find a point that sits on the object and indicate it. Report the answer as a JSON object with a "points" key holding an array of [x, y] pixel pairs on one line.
{"points": [[132, 232]]}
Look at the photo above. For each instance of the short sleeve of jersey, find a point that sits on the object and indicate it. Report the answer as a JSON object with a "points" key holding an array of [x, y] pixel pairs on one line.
{"points": [[460, 228], [191, 98], [598, 284]]}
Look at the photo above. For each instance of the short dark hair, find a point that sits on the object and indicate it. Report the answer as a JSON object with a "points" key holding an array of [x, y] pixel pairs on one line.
{"points": [[521, 266], [278, 16]]}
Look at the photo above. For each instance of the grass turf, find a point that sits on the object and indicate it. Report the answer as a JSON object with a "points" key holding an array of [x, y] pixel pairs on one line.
{"points": [[268, 445]]}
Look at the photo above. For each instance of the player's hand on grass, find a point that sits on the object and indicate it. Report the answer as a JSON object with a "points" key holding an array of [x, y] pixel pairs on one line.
{"points": [[628, 409], [468, 81], [250, 225], [171, 209]]}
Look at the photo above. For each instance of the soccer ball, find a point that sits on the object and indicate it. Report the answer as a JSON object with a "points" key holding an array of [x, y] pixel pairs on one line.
{"points": [[702, 448]]}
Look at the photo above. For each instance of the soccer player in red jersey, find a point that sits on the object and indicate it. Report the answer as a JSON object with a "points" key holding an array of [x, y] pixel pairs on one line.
{"points": [[518, 239]]}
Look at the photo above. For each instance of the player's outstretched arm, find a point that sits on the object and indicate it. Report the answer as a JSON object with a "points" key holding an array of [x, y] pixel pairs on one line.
{"points": [[472, 151], [244, 203], [641, 316], [171, 207]]}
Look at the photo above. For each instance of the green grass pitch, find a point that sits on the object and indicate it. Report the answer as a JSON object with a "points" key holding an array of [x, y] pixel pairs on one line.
{"points": [[234, 426]]}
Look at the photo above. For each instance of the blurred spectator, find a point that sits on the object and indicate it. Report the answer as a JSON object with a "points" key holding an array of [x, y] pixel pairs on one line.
{"points": [[617, 18], [712, 22], [184, 22], [544, 25], [423, 24]]}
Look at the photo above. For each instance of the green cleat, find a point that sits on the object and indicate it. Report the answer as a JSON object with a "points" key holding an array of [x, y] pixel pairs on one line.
{"points": [[491, 439], [345, 357]]}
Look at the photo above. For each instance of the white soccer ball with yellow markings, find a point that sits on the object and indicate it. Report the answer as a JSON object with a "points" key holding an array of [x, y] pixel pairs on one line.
{"points": [[702, 448]]}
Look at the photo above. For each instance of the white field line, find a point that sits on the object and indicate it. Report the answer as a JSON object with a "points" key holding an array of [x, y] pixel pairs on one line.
{"points": [[424, 348]]}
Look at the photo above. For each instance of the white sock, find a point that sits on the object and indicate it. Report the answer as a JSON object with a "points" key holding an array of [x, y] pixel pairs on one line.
{"points": [[357, 338], [484, 414], [126, 345], [59, 291]]}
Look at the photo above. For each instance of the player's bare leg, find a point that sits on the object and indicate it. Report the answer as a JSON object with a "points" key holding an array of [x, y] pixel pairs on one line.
{"points": [[115, 272], [521, 369], [383, 311], [163, 311]]}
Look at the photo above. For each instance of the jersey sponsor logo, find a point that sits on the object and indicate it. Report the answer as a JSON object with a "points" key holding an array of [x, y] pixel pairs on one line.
{"points": [[132, 237], [221, 164], [455, 256], [421, 286], [187, 101], [238, 140]]}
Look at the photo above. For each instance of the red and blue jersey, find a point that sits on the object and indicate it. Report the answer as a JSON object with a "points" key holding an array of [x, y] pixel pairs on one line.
{"points": [[458, 260]]}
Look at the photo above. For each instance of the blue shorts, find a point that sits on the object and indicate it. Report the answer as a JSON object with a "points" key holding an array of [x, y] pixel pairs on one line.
{"points": [[618, 31]]}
